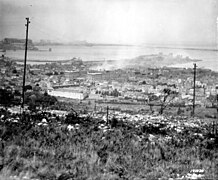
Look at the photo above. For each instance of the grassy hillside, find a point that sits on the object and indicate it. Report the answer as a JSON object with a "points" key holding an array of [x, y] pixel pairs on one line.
{"points": [[38, 147]]}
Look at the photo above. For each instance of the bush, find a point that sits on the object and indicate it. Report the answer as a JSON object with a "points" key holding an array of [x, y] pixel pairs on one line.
{"points": [[121, 152]]}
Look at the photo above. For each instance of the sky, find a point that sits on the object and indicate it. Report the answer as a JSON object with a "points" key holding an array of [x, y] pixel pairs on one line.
{"points": [[112, 21]]}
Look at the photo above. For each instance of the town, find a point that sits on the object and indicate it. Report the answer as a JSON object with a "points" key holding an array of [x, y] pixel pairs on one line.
{"points": [[132, 88], [81, 101], [109, 90]]}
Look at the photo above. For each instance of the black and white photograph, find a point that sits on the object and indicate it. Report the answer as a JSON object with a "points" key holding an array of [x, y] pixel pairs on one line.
{"points": [[109, 90]]}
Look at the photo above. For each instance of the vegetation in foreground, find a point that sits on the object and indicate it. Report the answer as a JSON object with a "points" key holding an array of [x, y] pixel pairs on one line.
{"points": [[84, 148]]}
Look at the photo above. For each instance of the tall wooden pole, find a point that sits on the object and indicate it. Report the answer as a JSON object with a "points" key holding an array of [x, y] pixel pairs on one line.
{"points": [[107, 115], [25, 58], [193, 110]]}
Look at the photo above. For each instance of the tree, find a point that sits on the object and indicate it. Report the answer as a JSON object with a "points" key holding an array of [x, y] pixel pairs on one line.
{"points": [[36, 99], [150, 101], [214, 101], [163, 100], [14, 71], [6, 97], [44, 100], [17, 93], [47, 100], [32, 102], [27, 87], [55, 73], [115, 93], [166, 98], [180, 111]]}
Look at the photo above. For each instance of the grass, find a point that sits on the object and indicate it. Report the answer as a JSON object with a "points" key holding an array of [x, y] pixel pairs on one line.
{"points": [[124, 152], [67, 104]]}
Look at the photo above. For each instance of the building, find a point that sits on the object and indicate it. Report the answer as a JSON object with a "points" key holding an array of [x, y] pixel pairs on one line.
{"points": [[35, 71], [67, 94], [94, 76]]}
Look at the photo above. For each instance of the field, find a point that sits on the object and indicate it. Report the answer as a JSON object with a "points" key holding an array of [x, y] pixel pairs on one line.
{"points": [[44, 146], [208, 114]]}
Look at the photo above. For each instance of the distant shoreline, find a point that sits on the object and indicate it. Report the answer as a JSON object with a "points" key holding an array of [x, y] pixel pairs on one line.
{"points": [[64, 54], [69, 60], [183, 48], [146, 46], [182, 65], [176, 65]]}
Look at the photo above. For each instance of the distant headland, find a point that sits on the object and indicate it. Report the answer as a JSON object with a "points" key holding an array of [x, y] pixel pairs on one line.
{"points": [[16, 44]]}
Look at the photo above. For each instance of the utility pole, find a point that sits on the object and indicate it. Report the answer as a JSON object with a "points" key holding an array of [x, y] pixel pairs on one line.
{"points": [[193, 110], [25, 57], [107, 115], [95, 107]]}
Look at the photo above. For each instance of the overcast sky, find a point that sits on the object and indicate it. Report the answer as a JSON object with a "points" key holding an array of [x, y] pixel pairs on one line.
{"points": [[112, 21]]}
